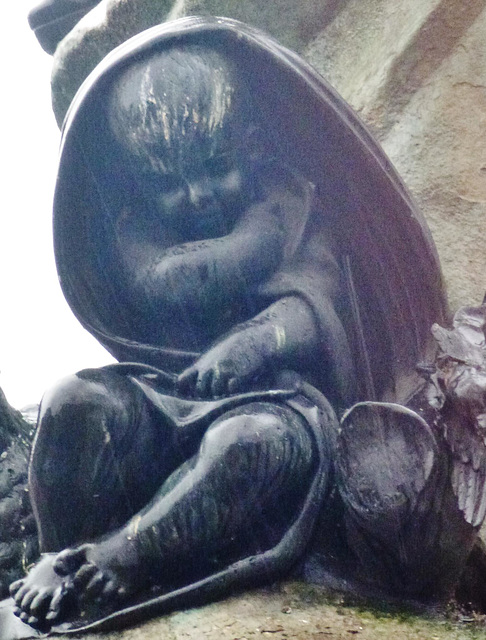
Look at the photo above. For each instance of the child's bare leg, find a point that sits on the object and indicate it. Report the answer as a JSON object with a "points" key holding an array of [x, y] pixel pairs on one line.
{"points": [[236, 496], [98, 457]]}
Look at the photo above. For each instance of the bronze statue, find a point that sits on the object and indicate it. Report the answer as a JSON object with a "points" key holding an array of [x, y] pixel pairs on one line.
{"points": [[228, 229]]}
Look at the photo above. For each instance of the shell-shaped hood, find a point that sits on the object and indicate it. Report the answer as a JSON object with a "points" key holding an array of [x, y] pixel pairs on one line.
{"points": [[394, 285]]}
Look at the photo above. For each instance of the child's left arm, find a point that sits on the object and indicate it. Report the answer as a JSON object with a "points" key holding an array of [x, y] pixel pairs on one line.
{"points": [[282, 335]]}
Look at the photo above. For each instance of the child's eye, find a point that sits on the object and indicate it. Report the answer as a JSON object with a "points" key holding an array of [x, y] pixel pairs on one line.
{"points": [[219, 166], [156, 183], [169, 183]]}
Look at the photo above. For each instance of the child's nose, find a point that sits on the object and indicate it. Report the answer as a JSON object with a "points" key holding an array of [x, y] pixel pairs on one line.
{"points": [[200, 193]]}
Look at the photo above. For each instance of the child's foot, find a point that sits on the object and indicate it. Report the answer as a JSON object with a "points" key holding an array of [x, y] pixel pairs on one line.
{"points": [[42, 594], [105, 573]]}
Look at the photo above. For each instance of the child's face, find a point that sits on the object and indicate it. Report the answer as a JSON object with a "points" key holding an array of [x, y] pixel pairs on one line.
{"points": [[184, 131], [203, 198]]}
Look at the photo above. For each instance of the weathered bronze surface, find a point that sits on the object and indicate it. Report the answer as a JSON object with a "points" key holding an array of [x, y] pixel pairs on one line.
{"points": [[229, 230]]}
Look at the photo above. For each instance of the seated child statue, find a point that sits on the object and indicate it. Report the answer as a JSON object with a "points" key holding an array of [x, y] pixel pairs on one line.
{"points": [[188, 243], [212, 260]]}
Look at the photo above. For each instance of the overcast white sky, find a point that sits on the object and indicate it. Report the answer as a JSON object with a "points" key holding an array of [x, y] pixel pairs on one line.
{"points": [[40, 340]]}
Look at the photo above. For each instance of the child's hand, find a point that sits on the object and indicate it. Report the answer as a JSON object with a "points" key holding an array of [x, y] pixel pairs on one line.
{"points": [[228, 367]]}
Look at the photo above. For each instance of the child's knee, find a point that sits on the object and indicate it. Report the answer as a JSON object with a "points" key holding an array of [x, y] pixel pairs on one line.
{"points": [[256, 424], [76, 396], [70, 391]]}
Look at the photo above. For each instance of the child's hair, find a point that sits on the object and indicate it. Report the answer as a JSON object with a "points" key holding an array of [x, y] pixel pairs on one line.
{"points": [[177, 104]]}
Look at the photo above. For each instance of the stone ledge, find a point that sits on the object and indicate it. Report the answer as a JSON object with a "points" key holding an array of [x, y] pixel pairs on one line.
{"points": [[296, 611]]}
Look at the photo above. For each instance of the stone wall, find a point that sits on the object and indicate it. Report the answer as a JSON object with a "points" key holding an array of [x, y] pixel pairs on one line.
{"points": [[416, 73]]}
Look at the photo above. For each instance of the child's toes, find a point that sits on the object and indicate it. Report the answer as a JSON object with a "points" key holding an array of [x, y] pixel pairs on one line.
{"points": [[56, 602], [95, 586], [28, 598], [20, 595], [15, 586], [84, 575], [109, 590], [69, 560], [33, 621], [40, 602]]}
